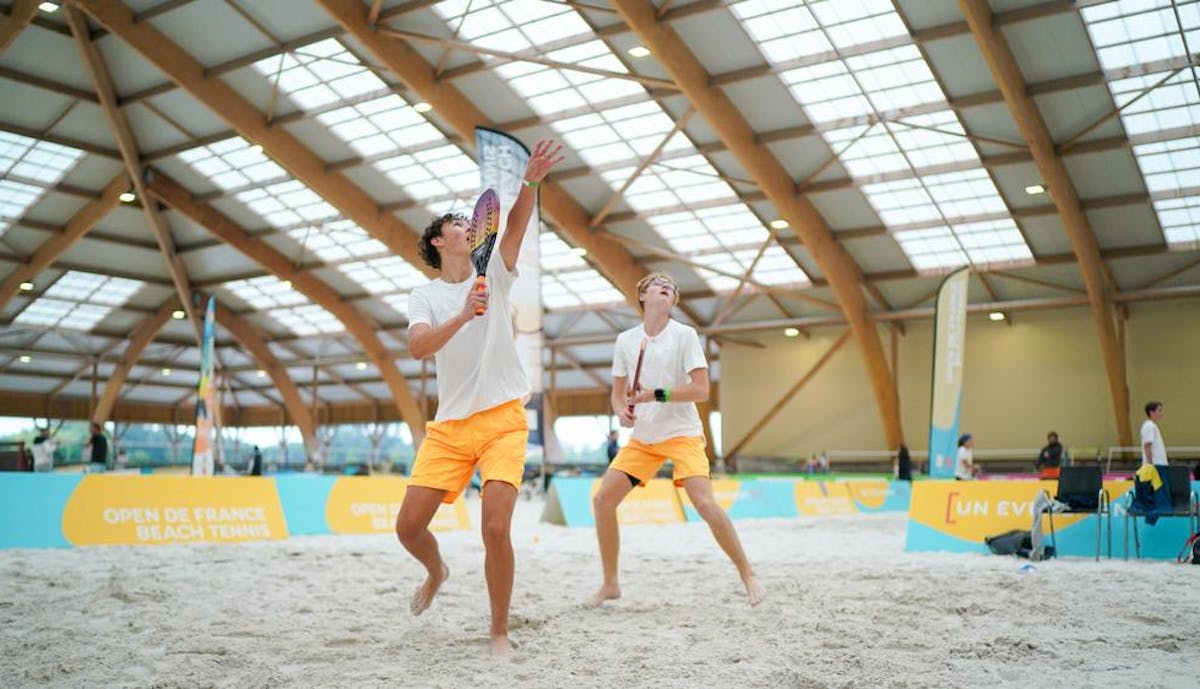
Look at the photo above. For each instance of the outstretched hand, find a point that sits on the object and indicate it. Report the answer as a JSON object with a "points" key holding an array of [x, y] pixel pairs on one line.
{"points": [[546, 154]]}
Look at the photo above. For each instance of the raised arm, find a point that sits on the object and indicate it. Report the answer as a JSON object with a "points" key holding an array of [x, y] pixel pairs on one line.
{"points": [[545, 156]]}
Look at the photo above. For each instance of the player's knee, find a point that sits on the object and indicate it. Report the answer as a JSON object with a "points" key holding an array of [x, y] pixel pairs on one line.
{"points": [[603, 501], [495, 530], [407, 530]]}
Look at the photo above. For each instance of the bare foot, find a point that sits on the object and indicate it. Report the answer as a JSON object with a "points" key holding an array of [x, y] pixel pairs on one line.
{"points": [[501, 648], [605, 592], [423, 597], [754, 590]]}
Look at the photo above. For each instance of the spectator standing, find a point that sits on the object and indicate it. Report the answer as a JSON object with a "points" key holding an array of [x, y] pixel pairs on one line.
{"points": [[613, 447], [966, 469], [43, 451], [1154, 449], [96, 450]]}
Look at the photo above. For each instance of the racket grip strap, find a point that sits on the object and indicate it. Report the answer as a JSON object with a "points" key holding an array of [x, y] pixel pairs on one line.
{"points": [[480, 285]]}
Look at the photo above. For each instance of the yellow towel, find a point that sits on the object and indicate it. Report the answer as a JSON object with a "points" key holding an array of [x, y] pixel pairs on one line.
{"points": [[1148, 472]]}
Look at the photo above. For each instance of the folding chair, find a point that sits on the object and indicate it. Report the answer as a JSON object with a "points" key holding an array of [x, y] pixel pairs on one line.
{"points": [[1184, 503], [1081, 489]]}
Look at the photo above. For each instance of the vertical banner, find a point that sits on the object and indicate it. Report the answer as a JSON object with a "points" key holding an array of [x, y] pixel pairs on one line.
{"points": [[949, 339], [502, 161], [206, 398]]}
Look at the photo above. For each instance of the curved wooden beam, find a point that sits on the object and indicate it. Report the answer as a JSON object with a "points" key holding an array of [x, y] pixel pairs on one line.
{"points": [[141, 336], [175, 196], [19, 16], [97, 68], [256, 343], [844, 275], [1096, 279], [606, 254], [285, 149], [79, 224]]}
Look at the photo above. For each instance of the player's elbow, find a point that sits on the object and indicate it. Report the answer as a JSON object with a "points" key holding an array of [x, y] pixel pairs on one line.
{"points": [[419, 349]]}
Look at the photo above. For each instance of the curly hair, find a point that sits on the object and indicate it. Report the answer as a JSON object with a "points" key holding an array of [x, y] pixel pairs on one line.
{"points": [[429, 252]]}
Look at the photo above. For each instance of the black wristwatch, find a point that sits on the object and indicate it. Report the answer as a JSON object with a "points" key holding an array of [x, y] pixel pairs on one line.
{"points": [[660, 395]]}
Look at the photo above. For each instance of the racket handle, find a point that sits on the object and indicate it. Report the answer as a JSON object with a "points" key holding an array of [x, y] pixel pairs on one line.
{"points": [[480, 286]]}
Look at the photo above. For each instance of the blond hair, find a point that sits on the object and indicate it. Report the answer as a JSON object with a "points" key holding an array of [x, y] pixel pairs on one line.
{"points": [[644, 284]]}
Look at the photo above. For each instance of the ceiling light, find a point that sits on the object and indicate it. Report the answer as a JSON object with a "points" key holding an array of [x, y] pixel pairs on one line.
{"points": [[27, 286], [166, 371], [996, 316], [48, 7], [422, 107], [639, 51], [579, 252], [780, 224], [179, 314], [287, 284], [791, 332], [127, 197], [25, 358], [256, 148], [362, 366], [1035, 189], [261, 373]]}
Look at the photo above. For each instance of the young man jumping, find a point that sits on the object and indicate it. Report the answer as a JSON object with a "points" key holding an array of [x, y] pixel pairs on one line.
{"points": [[665, 424], [481, 388]]}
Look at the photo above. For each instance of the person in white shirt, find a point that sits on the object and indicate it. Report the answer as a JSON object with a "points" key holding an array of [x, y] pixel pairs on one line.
{"points": [[1154, 450], [665, 425], [481, 387], [965, 469], [43, 451]]}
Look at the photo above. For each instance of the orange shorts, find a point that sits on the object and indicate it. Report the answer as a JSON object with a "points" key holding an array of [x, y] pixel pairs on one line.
{"points": [[495, 439], [642, 460]]}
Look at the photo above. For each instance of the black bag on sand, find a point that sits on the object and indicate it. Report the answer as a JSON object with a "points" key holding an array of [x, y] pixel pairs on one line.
{"points": [[1015, 542]]}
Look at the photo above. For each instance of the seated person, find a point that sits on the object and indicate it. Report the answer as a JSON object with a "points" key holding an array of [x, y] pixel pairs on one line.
{"points": [[965, 469], [1050, 458]]}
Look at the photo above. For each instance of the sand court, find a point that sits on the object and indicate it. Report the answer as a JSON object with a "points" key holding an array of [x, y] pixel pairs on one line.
{"points": [[847, 608]]}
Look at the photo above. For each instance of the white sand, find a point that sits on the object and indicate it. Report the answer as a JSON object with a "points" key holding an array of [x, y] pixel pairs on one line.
{"points": [[847, 608]]}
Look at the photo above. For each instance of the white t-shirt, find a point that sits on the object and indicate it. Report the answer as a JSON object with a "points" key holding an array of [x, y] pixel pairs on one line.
{"points": [[1158, 449], [43, 455], [670, 355], [965, 457], [478, 368]]}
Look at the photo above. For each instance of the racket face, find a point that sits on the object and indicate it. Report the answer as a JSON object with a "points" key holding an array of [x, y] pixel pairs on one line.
{"points": [[486, 218]]}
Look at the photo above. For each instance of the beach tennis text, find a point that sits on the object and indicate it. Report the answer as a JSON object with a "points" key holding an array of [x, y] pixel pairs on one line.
{"points": [[193, 523]]}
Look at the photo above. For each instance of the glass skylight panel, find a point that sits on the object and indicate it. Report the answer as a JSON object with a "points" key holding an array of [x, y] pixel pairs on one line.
{"points": [[319, 74], [266, 292], [1180, 220], [384, 275], [1170, 165], [568, 280], [285, 305], [35, 166], [684, 181], [1128, 34], [338, 240], [78, 300], [511, 26], [1134, 32], [436, 173], [931, 248], [288, 204], [232, 164], [385, 124], [904, 127], [1174, 104]]}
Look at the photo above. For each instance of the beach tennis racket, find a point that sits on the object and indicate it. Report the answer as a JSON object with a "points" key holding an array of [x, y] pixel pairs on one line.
{"points": [[485, 222], [637, 376]]}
